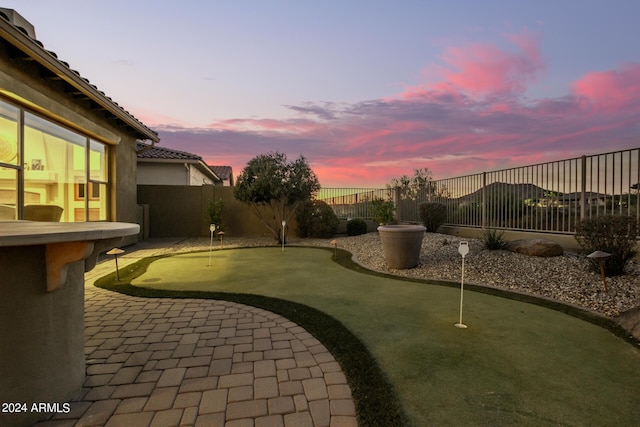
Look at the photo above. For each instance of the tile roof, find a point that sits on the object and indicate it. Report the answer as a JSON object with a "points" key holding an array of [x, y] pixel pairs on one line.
{"points": [[156, 152], [24, 40], [224, 172]]}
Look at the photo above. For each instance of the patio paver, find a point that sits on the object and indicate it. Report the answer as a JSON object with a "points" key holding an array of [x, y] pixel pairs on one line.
{"points": [[191, 362]]}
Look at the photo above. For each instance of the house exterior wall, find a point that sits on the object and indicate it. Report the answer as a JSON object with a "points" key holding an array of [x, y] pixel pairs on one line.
{"points": [[170, 173], [22, 84], [198, 178], [157, 173]]}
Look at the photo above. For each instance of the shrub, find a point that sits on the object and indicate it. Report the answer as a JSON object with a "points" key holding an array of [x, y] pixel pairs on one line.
{"points": [[493, 239], [383, 211], [214, 211], [316, 219], [432, 215], [614, 234], [356, 227]]}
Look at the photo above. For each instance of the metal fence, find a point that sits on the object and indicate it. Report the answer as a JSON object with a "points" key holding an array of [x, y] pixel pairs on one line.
{"points": [[549, 197], [350, 203]]}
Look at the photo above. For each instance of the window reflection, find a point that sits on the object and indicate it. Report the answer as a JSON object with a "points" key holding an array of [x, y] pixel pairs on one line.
{"points": [[9, 134], [64, 173], [8, 194]]}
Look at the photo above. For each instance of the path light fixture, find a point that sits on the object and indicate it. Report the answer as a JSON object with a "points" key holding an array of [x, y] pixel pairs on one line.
{"points": [[284, 223], [212, 229], [463, 249], [115, 252], [600, 257], [334, 242], [221, 233]]}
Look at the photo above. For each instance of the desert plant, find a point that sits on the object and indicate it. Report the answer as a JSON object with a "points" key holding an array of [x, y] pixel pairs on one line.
{"points": [[613, 234], [356, 227], [432, 215], [214, 211], [383, 211], [315, 218], [493, 239]]}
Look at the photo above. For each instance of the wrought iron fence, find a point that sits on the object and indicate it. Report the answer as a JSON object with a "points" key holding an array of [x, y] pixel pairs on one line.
{"points": [[350, 203], [548, 197]]}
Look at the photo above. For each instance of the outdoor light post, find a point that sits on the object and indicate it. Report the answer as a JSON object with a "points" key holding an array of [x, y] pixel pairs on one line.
{"points": [[463, 249], [115, 252], [221, 233], [212, 228], [600, 256], [284, 223]]}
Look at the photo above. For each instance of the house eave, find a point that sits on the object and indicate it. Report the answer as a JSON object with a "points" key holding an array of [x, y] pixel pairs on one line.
{"points": [[43, 57]]}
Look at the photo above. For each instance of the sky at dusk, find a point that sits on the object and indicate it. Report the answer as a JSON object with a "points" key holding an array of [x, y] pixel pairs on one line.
{"points": [[365, 90]]}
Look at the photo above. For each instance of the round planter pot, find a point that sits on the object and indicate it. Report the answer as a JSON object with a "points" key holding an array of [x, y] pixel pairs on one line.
{"points": [[401, 244]]}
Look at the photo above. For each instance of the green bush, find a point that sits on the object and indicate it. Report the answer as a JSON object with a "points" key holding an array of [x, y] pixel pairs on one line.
{"points": [[356, 227], [432, 215], [383, 211], [614, 234], [493, 239], [316, 219], [214, 211]]}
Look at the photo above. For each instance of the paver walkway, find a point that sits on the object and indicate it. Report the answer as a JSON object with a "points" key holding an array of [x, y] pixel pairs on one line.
{"points": [[194, 362]]}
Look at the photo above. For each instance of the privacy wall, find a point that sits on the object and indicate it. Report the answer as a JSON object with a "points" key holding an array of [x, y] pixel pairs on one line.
{"points": [[181, 211]]}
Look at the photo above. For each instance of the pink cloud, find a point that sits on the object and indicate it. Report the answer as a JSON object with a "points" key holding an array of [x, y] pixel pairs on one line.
{"points": [[485, 69], [610, 91], [473, 119]]}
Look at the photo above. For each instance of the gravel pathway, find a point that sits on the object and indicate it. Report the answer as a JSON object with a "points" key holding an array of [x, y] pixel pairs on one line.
{"points": [[566, 278]]}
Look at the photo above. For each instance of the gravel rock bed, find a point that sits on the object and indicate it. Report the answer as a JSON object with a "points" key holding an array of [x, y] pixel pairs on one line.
{"points": [[565, 278]]}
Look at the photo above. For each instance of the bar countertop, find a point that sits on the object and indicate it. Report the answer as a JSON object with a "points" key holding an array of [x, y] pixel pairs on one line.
{"points": [[26, 233]]}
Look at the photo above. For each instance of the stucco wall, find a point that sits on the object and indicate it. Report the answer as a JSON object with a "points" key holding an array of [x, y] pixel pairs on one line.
{"points": [[198, 178], [182, 211], [124, 178], [567, 241], [21, 83], [156, 173], [42, 333]]}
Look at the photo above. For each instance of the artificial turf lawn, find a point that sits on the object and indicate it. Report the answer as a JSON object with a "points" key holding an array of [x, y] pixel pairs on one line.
{"points": [[516, 364]]}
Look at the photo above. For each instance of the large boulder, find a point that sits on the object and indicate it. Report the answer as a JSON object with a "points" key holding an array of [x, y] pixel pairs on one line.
{"points": [[535, 247], [630, 321]]}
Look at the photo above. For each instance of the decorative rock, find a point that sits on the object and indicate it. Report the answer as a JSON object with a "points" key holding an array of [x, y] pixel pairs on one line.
{"points": [[535, 247], [630, 321]]}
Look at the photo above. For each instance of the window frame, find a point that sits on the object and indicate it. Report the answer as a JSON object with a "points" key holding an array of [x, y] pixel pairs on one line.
{"points": [[90, 184]]}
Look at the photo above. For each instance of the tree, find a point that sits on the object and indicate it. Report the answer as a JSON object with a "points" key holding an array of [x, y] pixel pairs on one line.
{"points": [[273, 187], [411, 187], [214, 211], [419, 186]]}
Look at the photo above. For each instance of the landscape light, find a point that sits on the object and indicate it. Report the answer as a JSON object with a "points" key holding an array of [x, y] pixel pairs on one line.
{"points": [[600, 256], [115, 252], [212, 228], [284, 223]]}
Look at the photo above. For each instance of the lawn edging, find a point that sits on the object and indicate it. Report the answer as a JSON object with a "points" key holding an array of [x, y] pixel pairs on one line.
{"points": [[374, 396]]}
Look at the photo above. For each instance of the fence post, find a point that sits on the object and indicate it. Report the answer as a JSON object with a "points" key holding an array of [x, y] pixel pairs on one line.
{"points": [[583, 193], [484, 200]]}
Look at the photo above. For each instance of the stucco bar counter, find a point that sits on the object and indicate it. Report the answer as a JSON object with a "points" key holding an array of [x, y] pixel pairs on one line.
{"points": [[42, 267]]}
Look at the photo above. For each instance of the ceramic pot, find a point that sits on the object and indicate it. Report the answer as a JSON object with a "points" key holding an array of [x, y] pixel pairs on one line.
{"points": [[401, 244]]}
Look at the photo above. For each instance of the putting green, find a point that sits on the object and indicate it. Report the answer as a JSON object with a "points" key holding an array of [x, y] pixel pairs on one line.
{"points": [[516, 364]]}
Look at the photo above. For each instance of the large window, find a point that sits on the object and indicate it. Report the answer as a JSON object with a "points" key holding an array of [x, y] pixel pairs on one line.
{"points": [[9, 161], [48, 172]]}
